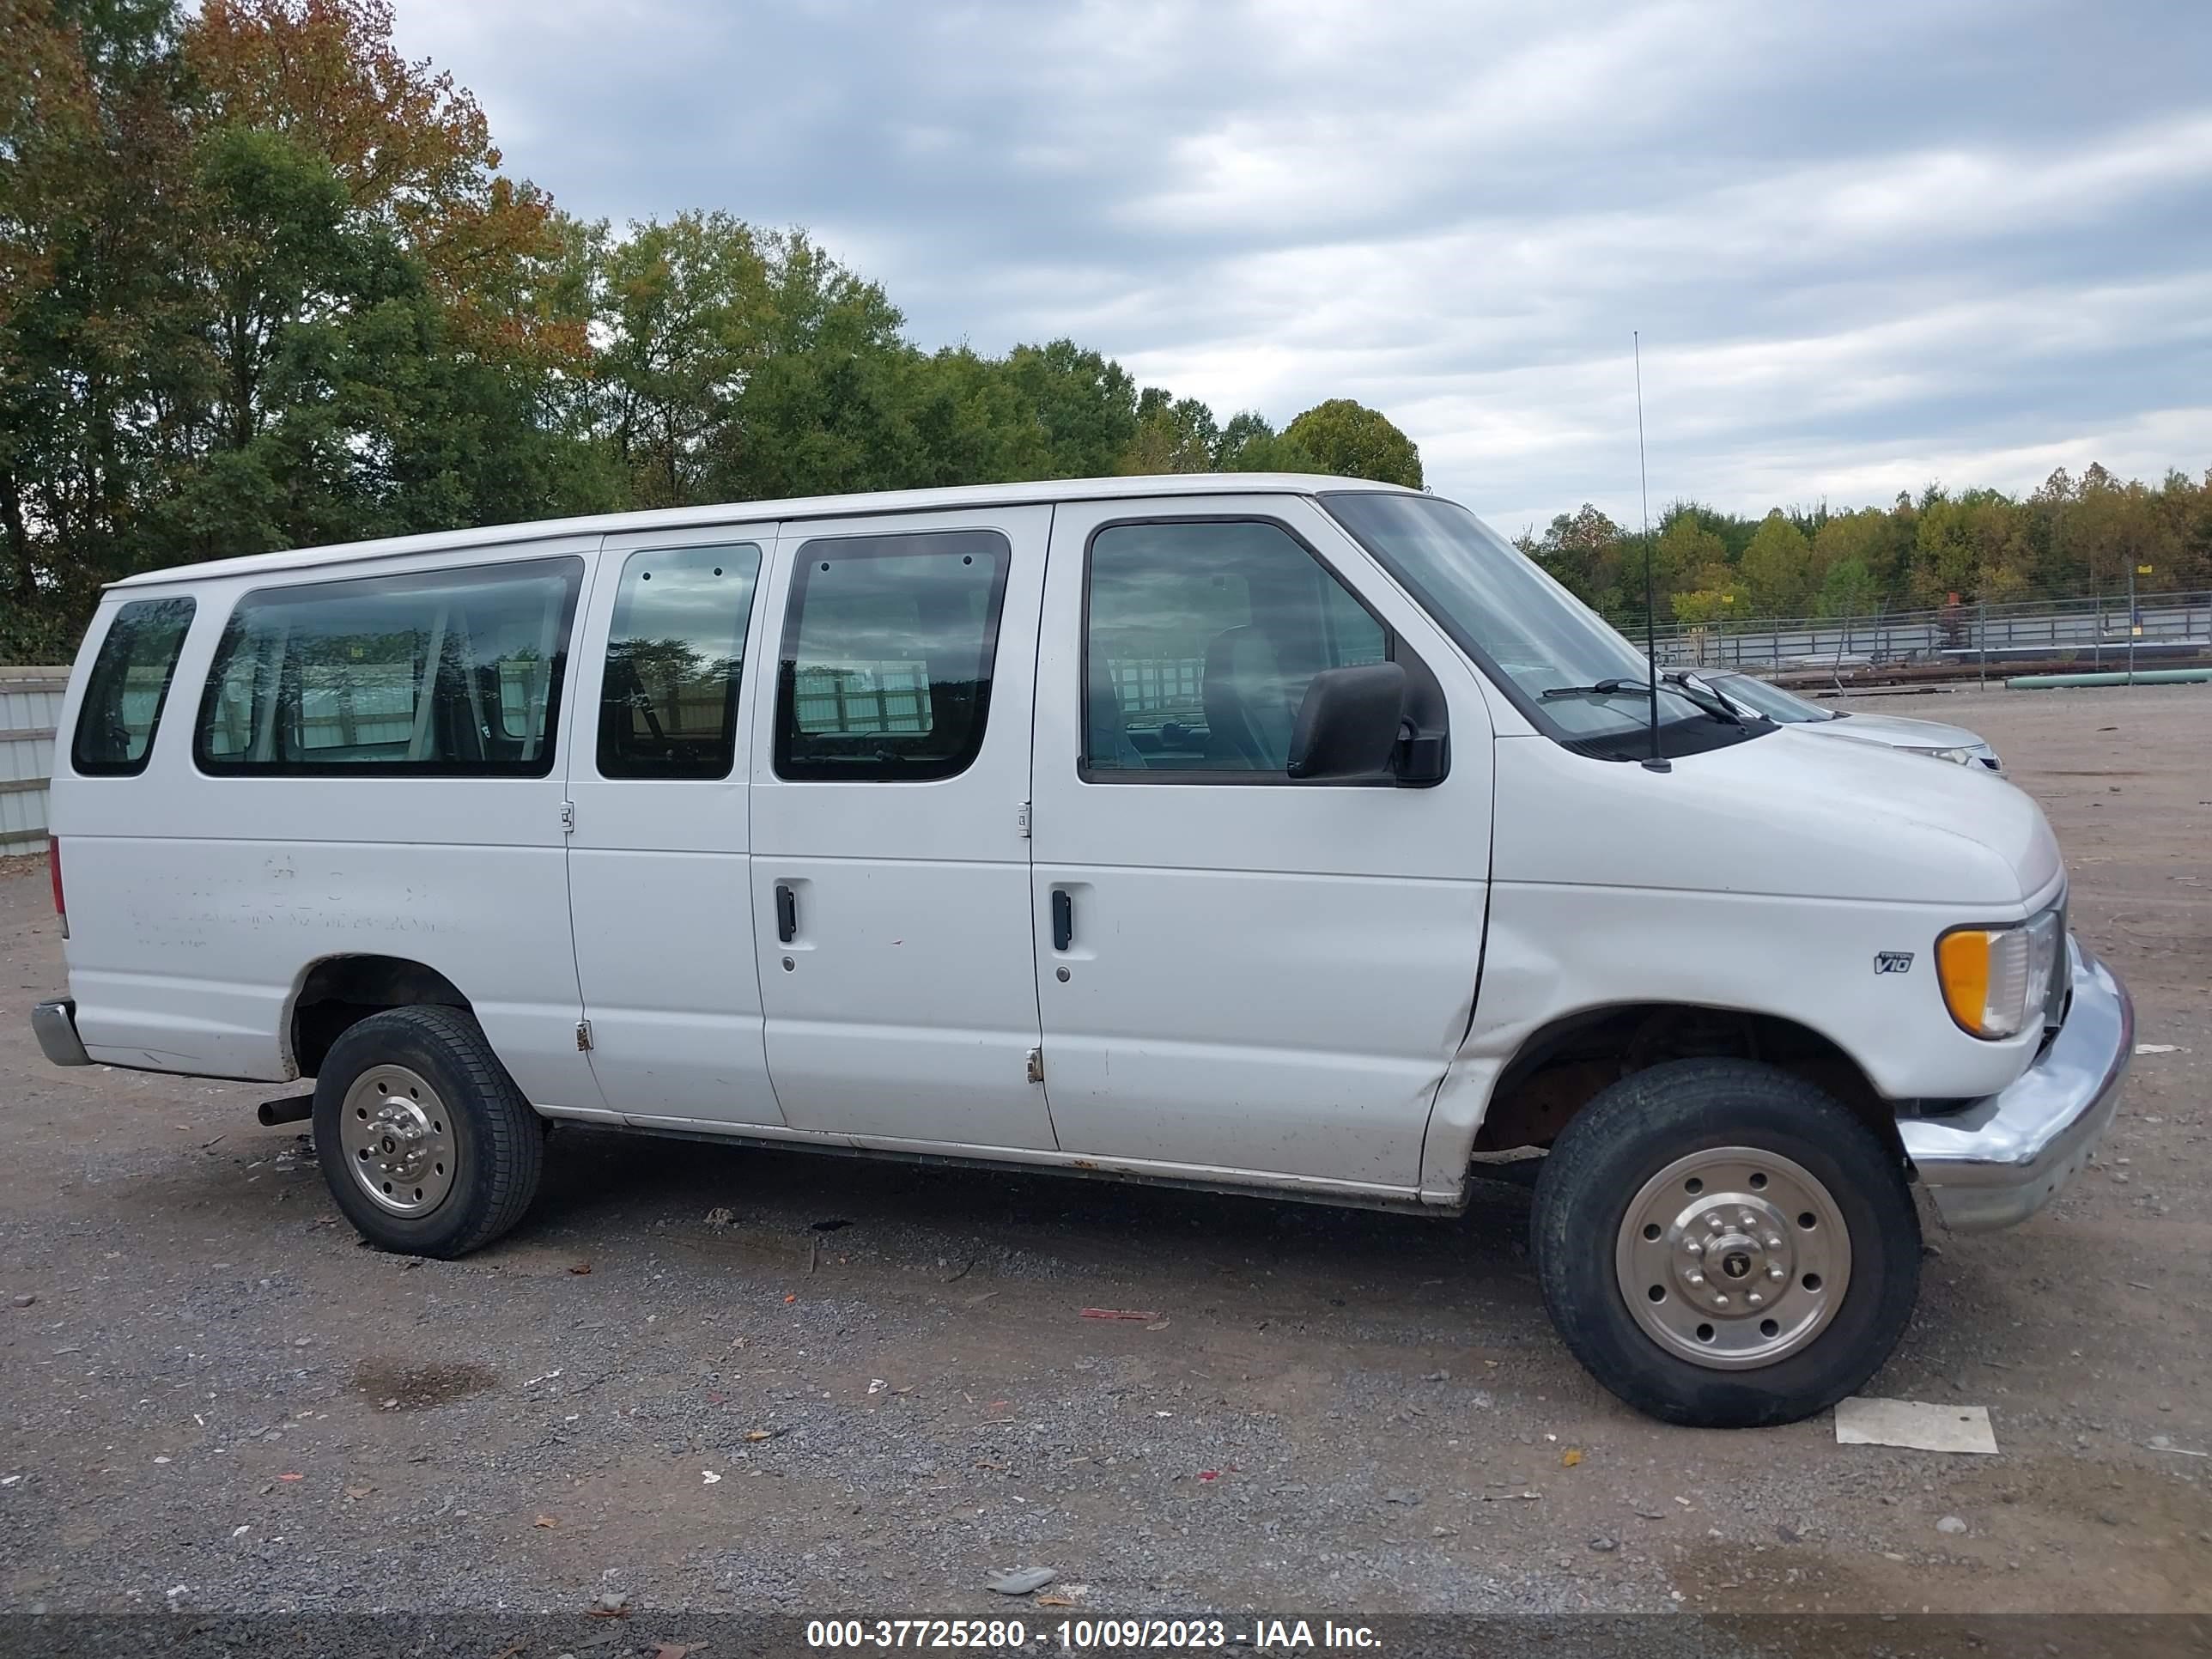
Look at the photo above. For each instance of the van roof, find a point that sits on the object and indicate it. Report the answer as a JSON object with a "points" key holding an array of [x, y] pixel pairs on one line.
{"points": [[815, 507]]}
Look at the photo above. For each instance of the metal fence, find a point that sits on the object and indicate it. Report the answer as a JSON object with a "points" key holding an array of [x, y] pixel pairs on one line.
{"points": [[30, 708], [2089, 632]]}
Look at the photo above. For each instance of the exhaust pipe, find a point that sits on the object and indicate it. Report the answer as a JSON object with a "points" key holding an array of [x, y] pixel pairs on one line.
{"points": [[297, 1110]]}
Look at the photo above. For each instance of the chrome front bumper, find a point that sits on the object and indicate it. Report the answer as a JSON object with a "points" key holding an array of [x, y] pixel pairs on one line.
{"points": [[2001, 1159], [54, 1023]]}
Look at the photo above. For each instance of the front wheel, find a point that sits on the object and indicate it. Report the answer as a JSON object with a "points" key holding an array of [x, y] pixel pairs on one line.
{"points": [[1724, 1245], [425, 1142]]}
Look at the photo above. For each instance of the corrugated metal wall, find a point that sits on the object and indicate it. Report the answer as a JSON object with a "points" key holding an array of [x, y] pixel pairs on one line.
{"points": [[30, 708]]}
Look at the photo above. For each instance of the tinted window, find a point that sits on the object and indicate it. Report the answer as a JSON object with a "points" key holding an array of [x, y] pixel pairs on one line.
{"points": [[130, 683], [450, 673], [887, 652], [676, 655], [1201, 640]]}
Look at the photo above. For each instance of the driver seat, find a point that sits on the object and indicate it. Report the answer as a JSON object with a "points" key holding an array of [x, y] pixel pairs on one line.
{"points": [[1248, 716]]}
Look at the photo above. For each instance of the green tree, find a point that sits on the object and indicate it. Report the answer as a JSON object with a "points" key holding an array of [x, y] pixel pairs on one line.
{"points": [[1687, 549], [971, 422], [1174, 435], [1732, 531], [2111, 526], [680, 308], [2182, 554], [91, 152], [1776, 569], [338, 405], [1584, 551], [824, 409], [1351, 440], [1848, 588], [1249, 443], [1711, 596], [1084, 403], [1873, 540], [1974, 545]]}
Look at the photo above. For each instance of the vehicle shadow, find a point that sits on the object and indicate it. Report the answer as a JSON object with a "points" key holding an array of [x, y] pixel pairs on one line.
{"points": [[601, 1187]]}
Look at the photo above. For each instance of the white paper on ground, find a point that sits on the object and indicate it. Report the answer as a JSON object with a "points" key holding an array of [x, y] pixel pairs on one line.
{"points": [[1866, 1421]]}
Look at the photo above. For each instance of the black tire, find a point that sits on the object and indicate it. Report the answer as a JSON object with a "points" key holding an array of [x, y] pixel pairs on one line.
{"points": [[499, 1141], [1636, 1127]]}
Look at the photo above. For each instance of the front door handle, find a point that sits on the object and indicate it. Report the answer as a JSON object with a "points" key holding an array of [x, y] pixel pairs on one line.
{"points": [[1063, 919], [787, 913]]}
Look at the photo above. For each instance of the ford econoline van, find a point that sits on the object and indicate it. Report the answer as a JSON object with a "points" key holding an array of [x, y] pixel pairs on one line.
{"points": [[1281, 835]]}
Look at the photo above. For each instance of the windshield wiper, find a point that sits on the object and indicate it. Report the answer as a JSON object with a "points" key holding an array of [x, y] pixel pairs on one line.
{"points": [[1707, 699], [1602, 689], [1706, 702]]}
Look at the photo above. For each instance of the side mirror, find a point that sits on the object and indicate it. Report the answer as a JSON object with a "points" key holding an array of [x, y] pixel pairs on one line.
{"points": [[1348, 725]]}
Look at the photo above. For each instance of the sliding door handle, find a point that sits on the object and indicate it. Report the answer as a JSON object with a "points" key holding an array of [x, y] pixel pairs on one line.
{"points": [[1063, 919], [787, 913]]}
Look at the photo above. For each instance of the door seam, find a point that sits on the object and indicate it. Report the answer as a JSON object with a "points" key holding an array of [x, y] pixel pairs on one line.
{"points": [[572, 693], [1029, 842]]}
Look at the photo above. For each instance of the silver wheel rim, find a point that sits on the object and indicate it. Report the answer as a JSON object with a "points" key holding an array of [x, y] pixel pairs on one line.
{"points": [[398, 1138], [1732, 1258]]}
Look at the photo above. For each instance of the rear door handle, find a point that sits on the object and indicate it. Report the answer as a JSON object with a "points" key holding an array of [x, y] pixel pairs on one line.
{"points": [[787, 913], [1063, 919]]}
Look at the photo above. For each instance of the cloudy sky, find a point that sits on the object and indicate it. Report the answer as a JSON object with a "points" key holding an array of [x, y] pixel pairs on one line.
{"points": [[1867, 245]]}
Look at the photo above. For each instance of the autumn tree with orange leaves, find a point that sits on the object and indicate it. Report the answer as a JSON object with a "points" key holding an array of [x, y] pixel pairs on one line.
{"points": [[261, 283], [411, 150]]}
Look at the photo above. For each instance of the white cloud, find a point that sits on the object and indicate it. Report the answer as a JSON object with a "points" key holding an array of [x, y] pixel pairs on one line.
{"points": [[1869, 245]]}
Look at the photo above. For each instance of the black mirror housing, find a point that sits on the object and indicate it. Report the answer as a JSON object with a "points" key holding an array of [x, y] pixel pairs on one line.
{"points": [[1349, 725]]}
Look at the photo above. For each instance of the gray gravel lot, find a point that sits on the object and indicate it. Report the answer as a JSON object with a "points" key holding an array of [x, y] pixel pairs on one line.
{"points": [[871, 1389]]}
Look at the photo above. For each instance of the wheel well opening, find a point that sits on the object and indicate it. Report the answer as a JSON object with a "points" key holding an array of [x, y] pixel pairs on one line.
{"points": [[1561, 1067], [340, 991]]}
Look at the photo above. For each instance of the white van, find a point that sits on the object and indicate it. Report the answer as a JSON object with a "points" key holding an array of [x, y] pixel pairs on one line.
{"points": [[1283, 834]]}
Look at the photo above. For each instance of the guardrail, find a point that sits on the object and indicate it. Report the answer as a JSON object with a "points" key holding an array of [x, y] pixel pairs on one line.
{"points": [[30, 709]]}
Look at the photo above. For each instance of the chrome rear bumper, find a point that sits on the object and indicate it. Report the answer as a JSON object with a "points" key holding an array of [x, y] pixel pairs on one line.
{"points": [[2003, 1158], [54, 1023]]}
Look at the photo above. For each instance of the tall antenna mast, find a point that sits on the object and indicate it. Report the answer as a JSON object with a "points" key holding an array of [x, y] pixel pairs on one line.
{"points": [[1654, 762]]}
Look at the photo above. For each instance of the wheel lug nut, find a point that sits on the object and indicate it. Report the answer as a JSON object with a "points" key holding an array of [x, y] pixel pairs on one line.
{"points": [[1778, 1272], [1747, 1218], [1713, 1222], [1720, 1299], [1697, 1279], [1754, 1299], [1774, 1243], [1693, 1247]]}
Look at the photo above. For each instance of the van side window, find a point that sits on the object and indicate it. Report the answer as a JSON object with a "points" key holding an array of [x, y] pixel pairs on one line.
{"points": [[128, 687], [887, 653], [1201, 639], [449, 673], [676, 654]]}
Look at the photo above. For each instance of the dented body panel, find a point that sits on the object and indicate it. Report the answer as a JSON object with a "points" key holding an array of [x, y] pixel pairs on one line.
{"points": [[1261, 977]]}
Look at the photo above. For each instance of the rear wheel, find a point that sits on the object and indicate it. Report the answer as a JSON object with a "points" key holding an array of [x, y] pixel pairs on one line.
{"points": [[425, 1142], [1725, 1245]]}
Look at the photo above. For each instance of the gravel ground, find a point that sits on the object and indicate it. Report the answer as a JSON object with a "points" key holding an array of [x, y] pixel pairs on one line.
{"points": [[870, 1387]]}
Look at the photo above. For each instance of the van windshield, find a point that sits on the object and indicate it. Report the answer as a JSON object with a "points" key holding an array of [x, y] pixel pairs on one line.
{"points": [[1559, 661]]}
